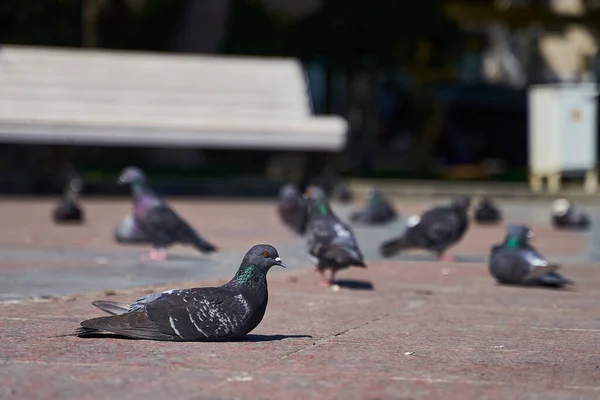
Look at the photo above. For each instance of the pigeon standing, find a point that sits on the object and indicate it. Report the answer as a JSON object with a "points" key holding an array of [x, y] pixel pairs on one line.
{"points": [[486, 212], [435, 230], [377, 211], [129, 232], [566, 216], [161, 225], [515, 261], [206, 314], [292, 208], [68, 210], [331, 243]]}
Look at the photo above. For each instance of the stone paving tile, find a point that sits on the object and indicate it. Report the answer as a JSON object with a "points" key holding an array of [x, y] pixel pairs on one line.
{"points": [[468, 337]]}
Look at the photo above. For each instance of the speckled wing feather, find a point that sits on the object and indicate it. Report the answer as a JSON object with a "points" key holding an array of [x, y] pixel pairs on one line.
{"points": [[202, 314]]}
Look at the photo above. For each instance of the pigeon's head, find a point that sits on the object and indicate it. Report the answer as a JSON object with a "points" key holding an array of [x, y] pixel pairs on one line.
{"points": [[463, 202], [561, 206], [517, 235], [373, 195], [289, 191], [131, 175], [263, 257], [75, 184], [314, 192]]}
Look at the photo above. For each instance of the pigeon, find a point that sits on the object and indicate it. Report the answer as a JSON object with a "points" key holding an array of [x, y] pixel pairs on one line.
{"points": [[486, 212], [206, 314], [68, 210], [377, 211], [159, 223], [292, 208], [129, 232], [330, 243], [516, 262], [565, 215], [435, 230]]}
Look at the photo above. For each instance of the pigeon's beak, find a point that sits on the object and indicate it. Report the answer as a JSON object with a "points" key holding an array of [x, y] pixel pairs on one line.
{"points": [[280, 262]]}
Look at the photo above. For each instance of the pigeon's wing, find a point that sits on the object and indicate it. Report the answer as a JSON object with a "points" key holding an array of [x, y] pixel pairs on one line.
{"points": [[507, 266], [135, 325], [200, 314], [319, 235], [439, 227], [165, 226]]}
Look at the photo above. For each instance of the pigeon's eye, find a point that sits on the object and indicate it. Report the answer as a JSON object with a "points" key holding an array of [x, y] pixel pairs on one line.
{"points": [[266, 254]]}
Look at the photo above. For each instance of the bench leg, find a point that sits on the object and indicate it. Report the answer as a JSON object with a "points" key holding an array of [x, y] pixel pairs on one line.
{"points": [[590, 184], [535, 182], [554, 182]]}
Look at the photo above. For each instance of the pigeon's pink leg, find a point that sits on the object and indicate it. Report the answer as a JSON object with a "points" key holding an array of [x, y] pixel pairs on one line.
{"points": [[161, 254], [445, 258], [153, 255], [324, 282]]}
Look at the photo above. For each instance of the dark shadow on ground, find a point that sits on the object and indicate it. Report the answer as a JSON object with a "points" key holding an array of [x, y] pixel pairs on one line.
{"points": [[354, 285], [272, 338]]}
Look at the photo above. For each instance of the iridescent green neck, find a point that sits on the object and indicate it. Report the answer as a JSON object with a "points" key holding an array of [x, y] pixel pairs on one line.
{"points": [[512, 242], [138, 188], [322, 207], [248, 275]]}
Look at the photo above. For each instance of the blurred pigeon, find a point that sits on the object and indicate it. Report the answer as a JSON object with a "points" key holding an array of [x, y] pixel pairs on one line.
{"points": [[207, 314], [486, 212], [515, 261], [377, 211], [331, 243], [68, 210], [333, 185], [435, 230], [292, 208], [129, 232], [156, 220], [565, 215]]}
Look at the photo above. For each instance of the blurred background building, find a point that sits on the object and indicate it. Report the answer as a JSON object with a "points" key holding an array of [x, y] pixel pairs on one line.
{"points": [[431, 88]]}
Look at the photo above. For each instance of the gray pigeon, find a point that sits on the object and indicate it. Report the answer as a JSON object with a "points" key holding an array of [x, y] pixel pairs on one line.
{"points": [[515, 261], [129, 232], [436, 230], [486, 212], [68, 210], [207, 314], [331, 243], [377, 211], [565, 215], [161, 225], [292, 208]]}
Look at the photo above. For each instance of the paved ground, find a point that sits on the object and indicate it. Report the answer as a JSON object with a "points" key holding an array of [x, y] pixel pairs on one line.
{"points": [[406, 328]]}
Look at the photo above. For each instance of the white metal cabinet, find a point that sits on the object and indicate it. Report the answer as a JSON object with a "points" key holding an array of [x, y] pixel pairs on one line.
{"points": [[562, 134]]}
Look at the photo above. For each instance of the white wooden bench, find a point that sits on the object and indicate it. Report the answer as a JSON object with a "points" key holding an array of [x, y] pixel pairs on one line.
{"points": [[117, 98]]}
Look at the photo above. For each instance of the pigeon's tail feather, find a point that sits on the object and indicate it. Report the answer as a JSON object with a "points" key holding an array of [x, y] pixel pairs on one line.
{"points": [[554, 279], [202, 245], [112, 307], [540, 271], [82, 332], [394, 246]]}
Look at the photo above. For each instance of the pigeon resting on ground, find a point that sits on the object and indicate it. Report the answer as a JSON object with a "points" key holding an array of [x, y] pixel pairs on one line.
{"points": [[377, 211], [129, 232], [292, 208], [515, 261], [486, 212], [68, 210], [331, 243], [206, 314], [566, 216], [161, 225], [435, 230]]}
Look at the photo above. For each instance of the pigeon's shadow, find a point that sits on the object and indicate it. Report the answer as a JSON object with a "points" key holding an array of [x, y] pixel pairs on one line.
{"points": [[272, 338], [248, 338], [354, 285]]}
